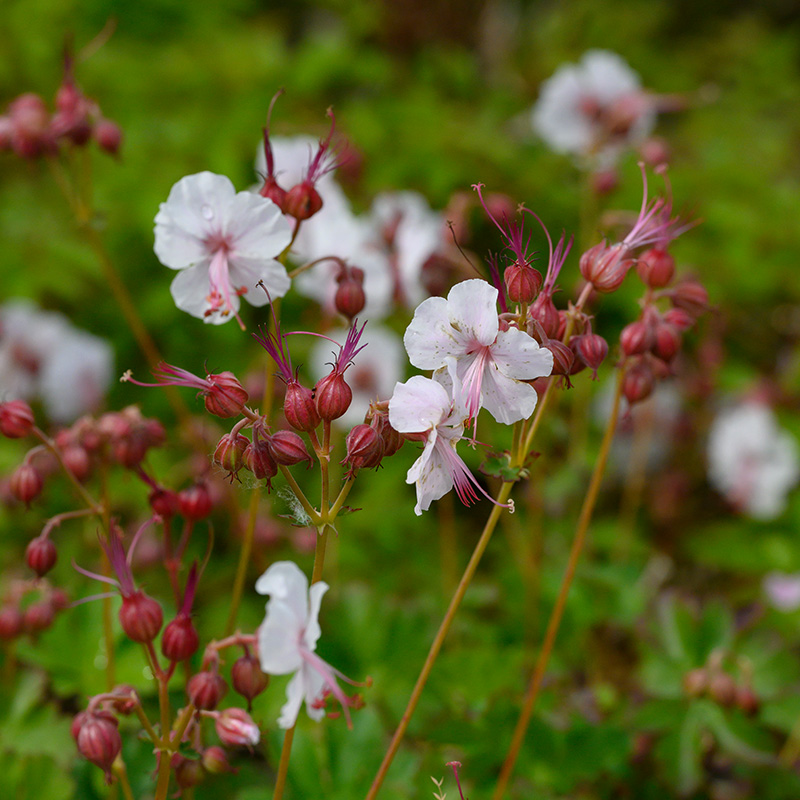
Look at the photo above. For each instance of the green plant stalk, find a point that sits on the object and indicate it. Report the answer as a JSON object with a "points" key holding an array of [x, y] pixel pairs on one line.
{"points": [[558, 610]]}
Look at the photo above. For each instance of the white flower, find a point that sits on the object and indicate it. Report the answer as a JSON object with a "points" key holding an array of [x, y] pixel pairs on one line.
{"points": [[371, 377], [752, 461], [435, 411], [223, 243], [593, 109], [783, 590], [491, 363], [288, 638]]}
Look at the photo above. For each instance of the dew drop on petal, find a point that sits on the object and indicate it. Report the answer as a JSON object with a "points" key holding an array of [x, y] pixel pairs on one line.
{"points": [[207, 212]]}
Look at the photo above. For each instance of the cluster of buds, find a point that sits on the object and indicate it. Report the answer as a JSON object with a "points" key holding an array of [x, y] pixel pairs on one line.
{"points": [[30, 607], [711, 680], [30, 130], [303, 200]]}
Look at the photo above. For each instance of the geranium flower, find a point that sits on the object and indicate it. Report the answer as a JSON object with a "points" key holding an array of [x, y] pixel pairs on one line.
{"points": [[751, 460], [425, 407], [287, 639], [491, 363], [223, 243], [594, 109]]}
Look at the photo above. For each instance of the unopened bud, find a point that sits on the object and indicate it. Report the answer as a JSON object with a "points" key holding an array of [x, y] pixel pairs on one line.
{"points": [[108, 136], [227, 397], [38, 617], [11, 623], [236, 728], [605, 267], [667, 341], [562, 356], [636, 338], [215, 760], [523, 283], [259, 460], [747, 700], [681, 319], [189, 772], [41, 555], [365, 447], [299, 407], [99, 740], [302, 201], [392, 440], [164, 502], [126, 699], [77, 461], [638, 383], [230, 452], [350, 298], [288, 448], [25, 483], [180, 640], [332, 396], [691, 296], [591, 348], [141, 617], [273, 192], [656, 268], [545, 313], [247, 678], [16, 419], [605, 181], [206, 690], [722, 689], [195, 502]]}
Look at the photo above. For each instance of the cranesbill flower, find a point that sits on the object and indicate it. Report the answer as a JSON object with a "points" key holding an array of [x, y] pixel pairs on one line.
{"points": [[491, 363], [434, 412], [751, 460], [223, 243], [287, 639]]}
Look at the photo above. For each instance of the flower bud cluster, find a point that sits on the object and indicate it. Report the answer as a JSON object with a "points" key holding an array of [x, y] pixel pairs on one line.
{"points": [[30, 607], [31, 130], [712, 681]]}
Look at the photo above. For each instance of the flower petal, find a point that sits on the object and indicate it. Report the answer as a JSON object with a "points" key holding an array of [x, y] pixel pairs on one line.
{"points": [[430, 337], [507, 400], [418, 405], [278, 639], [519, 356], [295, 692], [190, 289], [314, 685], [245, 274], [312, 633], [285, 581], [256, 227], [472, 306], [433, 479]]}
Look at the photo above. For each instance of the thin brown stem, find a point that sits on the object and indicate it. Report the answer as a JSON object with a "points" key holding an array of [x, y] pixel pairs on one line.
{"points": [[558, 610]]}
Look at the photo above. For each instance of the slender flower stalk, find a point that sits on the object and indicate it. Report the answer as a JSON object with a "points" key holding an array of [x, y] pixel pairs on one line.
{"points": [[558, 610]]}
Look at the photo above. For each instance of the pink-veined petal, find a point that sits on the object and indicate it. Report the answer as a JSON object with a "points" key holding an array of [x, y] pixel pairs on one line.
{"points": [[472, 306], [430, 337], [519, 356], [279, 638]]}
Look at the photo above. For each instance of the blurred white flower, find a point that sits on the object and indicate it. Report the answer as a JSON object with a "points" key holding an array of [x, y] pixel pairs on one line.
{"points": [[223, 243], [783, 590], [372, 375], [751, 460], [43, 357], [287, 639], [594, 109]]}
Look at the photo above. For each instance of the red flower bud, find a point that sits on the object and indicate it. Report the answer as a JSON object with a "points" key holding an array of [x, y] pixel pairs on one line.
{"points": [[77, 460], [332, 396], [656, 268], [41, 555], [638, 383], [722, 689], [545, 313], [605, 267], [235, 728], [679, 318], [180, 640], [667, 341], [302, 201], [288, 448], [194, 503], [188, 771], [227, 397], [299, 407], [108, 136], [230, 452], [215, 760], [691, 296], [273, 192], [206, 690], [350, 298], [16, 419], [636, 338], [141, 617], [523, 283], [247, 678], [25, 483], [562, 356], [11, 623], [392, 440], [126, 699], [258, 459], [365, 447], [591, 349], [99, 740], [38, 617], [164, 502]]}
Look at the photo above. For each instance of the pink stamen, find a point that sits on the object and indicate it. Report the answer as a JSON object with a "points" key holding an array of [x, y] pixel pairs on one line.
{"points": [[473, 378], [328, 675], [464, 482], [220, 285]]}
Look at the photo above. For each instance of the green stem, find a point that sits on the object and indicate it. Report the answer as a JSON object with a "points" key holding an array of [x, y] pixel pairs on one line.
{"points": [[558, 610], [316, 519], [283, 765], [241, 568]]}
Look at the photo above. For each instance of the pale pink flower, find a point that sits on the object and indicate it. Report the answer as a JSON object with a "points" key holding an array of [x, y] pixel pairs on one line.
{"points": [[783, 590], [751, 460], [287, 639], [434, 411], [223, 243], [594, 109], [235, 728], [491, 363]]}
